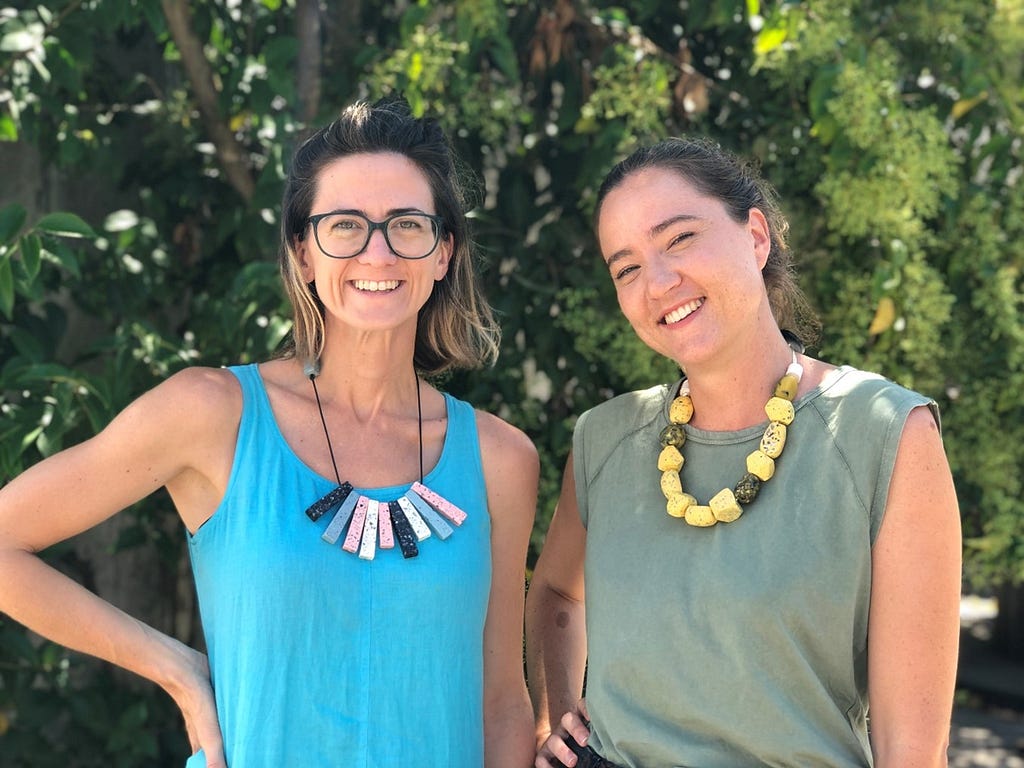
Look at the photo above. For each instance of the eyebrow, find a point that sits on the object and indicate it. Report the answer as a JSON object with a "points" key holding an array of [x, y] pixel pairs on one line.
{"points": [[388, 214], [653, 232]]}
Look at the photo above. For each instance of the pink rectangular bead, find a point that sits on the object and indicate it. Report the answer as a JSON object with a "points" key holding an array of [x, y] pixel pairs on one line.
{"points": [[440, 503], [387, 536], [355, 529]]}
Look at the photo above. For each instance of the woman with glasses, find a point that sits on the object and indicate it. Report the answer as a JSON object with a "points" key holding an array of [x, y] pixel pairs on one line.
{"points": [[358, 538], [743, 559]]}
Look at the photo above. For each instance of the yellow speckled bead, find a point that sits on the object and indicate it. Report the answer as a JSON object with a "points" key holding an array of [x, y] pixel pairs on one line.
{"points": [[760, 464], [681, 410], [700, 516], [670, 458], [779, 409], [787, 387], [670, 483], [774, 440], [725, 507], [678, 504]]}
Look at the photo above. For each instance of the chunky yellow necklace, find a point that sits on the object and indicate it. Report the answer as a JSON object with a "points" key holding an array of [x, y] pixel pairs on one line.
{"points": [[724, 506]]}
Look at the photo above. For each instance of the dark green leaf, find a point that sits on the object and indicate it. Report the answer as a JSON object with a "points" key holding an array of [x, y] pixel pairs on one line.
{"points": [[12, 219], [31, 250], [6, 286], [65, 225]]}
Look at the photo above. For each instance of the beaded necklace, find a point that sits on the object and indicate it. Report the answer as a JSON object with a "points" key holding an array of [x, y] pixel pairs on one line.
{"points": [[724, 506], [408, 519]]}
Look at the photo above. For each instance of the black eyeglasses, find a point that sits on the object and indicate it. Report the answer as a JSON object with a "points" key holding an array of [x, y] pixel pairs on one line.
{"points": [[345, 234]]}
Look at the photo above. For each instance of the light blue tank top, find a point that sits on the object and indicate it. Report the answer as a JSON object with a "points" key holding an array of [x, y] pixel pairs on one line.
{"points": [[320, 658]]}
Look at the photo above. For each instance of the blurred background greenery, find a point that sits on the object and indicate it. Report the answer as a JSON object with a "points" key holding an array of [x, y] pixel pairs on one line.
{"points": [[142, 148]]}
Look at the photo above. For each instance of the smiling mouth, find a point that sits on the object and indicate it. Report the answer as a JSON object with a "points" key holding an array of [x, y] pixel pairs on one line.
{"points": [[376, 286], [684, 311]]}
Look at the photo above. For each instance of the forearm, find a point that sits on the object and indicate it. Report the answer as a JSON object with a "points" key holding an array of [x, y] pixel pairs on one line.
{"points": [[556, 655], [54, 606], [508, 730]]}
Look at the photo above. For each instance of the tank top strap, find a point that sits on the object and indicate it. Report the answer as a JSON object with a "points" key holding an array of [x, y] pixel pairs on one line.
{"points": [[462, 443], [256, 410]]}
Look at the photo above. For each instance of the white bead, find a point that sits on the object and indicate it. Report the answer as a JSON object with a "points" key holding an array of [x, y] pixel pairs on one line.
{"points": [[368, 548], [418, 526]]}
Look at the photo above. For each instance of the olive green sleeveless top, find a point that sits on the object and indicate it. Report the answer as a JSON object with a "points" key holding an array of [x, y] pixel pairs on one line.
{"points": [[743, 644]]}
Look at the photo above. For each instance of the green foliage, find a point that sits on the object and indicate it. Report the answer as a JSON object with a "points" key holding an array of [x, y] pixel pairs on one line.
{"points": [[892, 130], [631, 92], [63, 723]]}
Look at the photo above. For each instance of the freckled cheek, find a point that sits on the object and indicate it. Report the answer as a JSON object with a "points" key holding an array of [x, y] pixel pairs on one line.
{"points": [[629, 305]]}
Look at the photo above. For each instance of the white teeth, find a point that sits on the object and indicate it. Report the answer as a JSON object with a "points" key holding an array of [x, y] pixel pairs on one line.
{"points": [[678, 314], [375, 285]]}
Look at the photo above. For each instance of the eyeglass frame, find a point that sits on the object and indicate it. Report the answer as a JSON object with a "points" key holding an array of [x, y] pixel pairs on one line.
{"points": [[437, 221]]}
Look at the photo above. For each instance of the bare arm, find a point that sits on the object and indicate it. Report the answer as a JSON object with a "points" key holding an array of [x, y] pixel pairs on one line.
{"points": [[556, 641], [511, 471], [914, 620], [160, 439]]}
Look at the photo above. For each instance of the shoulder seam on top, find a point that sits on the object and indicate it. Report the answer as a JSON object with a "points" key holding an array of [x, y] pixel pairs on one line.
{"points": [[865, 507]]}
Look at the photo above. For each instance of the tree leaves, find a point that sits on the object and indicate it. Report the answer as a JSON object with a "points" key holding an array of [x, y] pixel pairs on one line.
{"points": [[64, 225]]}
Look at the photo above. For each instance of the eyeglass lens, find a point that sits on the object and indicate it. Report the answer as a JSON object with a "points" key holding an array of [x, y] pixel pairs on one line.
{"points": [[342, 235]]}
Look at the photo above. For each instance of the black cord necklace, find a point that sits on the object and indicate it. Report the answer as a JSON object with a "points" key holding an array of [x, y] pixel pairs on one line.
{"points": [[409, 518], [330, 448]]}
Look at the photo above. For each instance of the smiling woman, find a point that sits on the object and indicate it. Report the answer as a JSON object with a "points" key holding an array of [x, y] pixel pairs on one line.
{"points": [[739, 558], [358, 538]]}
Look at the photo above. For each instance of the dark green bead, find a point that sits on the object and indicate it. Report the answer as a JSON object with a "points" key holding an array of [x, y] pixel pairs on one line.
{"points": [[747, 488], [673, 434]]}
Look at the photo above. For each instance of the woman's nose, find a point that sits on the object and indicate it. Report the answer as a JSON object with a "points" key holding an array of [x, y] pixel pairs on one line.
{"points": [[377, 250], [662, 277]]}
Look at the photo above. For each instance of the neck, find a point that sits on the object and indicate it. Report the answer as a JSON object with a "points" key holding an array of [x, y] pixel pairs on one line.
{"points": [[369, 395], [731, 394], [369, 372]]}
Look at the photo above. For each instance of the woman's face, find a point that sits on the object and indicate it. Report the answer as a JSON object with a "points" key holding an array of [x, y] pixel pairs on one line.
{"points": [[687, 276], [376, 289]]}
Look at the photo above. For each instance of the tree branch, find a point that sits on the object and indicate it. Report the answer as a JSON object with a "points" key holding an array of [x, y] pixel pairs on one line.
{"points": [[230, 153]]}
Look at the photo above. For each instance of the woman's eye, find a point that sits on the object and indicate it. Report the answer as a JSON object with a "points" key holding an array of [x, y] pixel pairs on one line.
{"points": [[625, 272], [681, 237]]}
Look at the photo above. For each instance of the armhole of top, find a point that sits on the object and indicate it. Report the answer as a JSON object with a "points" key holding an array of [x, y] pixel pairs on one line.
{"points": [[579, 467], [890, 447], [244, 376], [462, 416]]}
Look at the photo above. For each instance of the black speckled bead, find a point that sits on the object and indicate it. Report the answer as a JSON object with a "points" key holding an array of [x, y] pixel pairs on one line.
{"points": [[403, 531], [673, 434], [318, 508], [747, 488]]}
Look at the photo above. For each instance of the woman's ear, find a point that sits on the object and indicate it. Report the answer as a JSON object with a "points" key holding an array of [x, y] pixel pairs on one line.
{"points": [[303, 260], [445, 248], [761, 233]]}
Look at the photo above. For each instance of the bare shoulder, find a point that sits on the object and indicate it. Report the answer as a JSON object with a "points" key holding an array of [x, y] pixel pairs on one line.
{"points": [[197, 399], [503, 444], [190, 408], [921, 428], [212, 386]]}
